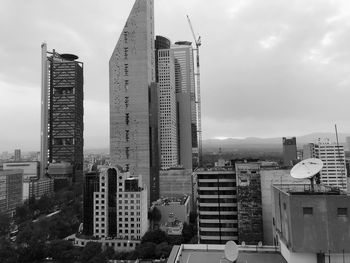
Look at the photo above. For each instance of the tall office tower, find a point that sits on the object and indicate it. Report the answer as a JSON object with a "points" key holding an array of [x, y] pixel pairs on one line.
{"points": [[289, 151], [62, 111], [333, 172], [91, 185], [167, 109], [11, 183], [250, 223], [119, 207], [134, 98], [217, 205], [17, 155], [186, 104]]}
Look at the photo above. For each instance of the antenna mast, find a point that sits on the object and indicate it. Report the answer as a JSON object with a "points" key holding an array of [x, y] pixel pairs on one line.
{"points": [[198, 97]]}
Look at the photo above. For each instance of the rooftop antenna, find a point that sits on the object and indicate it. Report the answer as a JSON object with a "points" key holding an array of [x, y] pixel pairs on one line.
{"points": [[307, 169], [231, 251]]}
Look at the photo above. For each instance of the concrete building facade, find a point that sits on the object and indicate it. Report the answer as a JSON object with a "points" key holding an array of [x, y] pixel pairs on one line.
{"points": [[11, 184], [249, 202], [217, 206], [133, 97], [311, 226]]}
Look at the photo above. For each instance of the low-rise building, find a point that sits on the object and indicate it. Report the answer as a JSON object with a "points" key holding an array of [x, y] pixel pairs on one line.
{"points": [[11, 184], [311, 226]]}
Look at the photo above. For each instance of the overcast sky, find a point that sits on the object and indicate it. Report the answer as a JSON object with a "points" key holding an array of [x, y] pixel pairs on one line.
{"points": [[269, 68]]}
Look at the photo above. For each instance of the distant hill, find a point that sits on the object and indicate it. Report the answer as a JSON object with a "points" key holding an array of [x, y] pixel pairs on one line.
{"points": [[266, 143]]}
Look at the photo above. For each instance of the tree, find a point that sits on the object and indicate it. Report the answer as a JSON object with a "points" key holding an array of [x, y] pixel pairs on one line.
{"points": [[146, 250], [155, 236], [61, 250], [188, 232], [7, 252], [91, 252], [156, 215], [4, 224], [163, 250], [22, 213], [109, 253]]}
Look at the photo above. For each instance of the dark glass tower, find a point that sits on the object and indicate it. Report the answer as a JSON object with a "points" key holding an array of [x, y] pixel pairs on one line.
{"points": [[91, 185], [65, 111]]}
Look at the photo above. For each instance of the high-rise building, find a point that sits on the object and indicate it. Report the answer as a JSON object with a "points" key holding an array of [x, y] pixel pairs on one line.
{"points": [[289, 151], [17, 155], [332, 155], [62, 111], [186, 104], [249, 202], [11, 184], [217, 205], [167, 109], [134, 98]]}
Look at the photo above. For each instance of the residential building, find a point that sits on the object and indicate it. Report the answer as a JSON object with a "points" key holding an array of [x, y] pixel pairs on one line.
{"points": [[311, 226], [249, 203], [11, 184], [332, 155], [289, 151], [217, 205], [134, 98], [41, 187], [62, 111]]}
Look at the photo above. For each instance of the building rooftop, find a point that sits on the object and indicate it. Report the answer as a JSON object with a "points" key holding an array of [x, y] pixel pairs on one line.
{"points": [[305, 189], [215, 253], [171, 200]]}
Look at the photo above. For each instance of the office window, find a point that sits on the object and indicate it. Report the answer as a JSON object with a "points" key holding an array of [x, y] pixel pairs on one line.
{"points": [[342, 211], [127, 118], [308, 210]]}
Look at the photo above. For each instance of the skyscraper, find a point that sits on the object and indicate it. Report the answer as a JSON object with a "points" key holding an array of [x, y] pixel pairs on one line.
{"points": [[186, 104], [289, 151], [167, 108], [134, 98], [62, 111]]}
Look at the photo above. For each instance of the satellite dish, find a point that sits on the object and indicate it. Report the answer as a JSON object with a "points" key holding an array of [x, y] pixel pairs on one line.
{"points": [[306, 168], [231, 251]]}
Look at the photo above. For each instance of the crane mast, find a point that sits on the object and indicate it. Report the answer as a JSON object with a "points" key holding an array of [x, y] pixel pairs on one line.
{"points": [[198, 97]]}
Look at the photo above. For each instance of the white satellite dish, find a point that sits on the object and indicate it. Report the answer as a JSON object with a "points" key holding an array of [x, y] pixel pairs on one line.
{"points": [[307, 169], [231, 251]]}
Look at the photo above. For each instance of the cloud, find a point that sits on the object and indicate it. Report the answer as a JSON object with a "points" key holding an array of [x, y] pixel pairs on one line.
{"points": [[267, 67]]}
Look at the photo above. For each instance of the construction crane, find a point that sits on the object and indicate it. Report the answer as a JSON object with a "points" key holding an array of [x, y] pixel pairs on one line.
{"points": [[198, 43]]}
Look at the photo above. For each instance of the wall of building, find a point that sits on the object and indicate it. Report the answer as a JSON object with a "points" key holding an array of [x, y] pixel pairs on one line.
{"points": [[249, 204], [175, 182], [269, 177], [132, 71], [313, 222]]}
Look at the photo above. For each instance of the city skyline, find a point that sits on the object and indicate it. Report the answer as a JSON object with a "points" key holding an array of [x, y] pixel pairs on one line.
{"points": [[252, 53]]}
